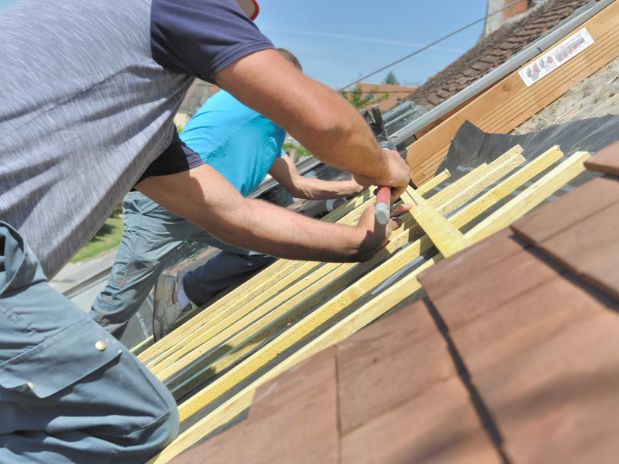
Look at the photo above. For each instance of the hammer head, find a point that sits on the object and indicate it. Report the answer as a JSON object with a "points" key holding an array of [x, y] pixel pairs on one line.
{"points": [[374, 118]]}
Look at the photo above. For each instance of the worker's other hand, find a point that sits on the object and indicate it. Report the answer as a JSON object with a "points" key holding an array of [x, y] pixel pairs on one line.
{"points": [[377, 235], [353, 187], [398, 175]]}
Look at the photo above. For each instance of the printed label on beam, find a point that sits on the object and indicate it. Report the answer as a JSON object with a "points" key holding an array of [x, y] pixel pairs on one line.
{"points": [[556, 57]]}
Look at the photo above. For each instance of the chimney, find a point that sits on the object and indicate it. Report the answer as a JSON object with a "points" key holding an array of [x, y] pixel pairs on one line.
{"points": [[515, 8], [504, 10]]}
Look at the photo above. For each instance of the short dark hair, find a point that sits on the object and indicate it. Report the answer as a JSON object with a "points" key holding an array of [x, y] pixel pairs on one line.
{"points": [[290, 57]]}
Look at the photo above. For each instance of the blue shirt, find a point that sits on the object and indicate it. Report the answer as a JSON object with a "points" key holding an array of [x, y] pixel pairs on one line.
{"points": [[237, 141]]}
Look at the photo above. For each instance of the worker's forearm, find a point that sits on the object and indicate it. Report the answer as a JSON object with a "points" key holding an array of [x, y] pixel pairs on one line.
{"points": [[332, 130], [287, 234], [315, 115], [318, 189], [207, 199]]}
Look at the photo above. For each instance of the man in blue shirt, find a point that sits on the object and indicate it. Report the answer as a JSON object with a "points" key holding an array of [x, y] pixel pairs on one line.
{"points": [[243, 146]]}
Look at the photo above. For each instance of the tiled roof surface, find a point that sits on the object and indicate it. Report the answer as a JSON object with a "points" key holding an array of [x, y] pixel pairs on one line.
{"points": [[492, 51], [513, 355]]}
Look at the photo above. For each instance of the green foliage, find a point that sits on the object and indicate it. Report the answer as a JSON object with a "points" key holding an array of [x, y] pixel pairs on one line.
{"points": [[359, 99], [356, 97], [296, 151], [391, 79], [106, 239]]}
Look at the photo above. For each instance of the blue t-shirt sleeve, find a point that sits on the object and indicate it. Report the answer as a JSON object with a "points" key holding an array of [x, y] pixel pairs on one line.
{"points": [[201, 38]]}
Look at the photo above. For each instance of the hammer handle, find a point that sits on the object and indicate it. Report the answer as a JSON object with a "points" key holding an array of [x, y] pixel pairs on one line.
{"points": [[383, 207]]}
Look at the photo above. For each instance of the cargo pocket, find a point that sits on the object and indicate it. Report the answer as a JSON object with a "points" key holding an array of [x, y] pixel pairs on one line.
{"points": [[60, 361]]}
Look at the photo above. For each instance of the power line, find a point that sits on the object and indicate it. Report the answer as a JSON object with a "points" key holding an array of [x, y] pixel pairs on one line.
{"points": [[431, 44]]}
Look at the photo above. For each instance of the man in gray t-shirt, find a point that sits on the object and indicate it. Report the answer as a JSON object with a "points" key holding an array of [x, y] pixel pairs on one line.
{"points": [[89, 89]]}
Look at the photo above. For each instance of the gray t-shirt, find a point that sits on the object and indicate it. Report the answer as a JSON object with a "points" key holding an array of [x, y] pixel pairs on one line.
{"points": [[88, 92]]}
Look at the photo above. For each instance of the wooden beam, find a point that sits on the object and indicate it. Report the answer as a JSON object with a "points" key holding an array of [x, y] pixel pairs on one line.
{"points": [[509, 185], [143, 345], [434, 182], [447, 238], [497, 170], [259, 288], [510, 102], [531, 197]]}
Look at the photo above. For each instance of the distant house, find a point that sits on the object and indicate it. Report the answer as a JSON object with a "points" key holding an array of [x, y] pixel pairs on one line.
{"points": [[387, 96]]}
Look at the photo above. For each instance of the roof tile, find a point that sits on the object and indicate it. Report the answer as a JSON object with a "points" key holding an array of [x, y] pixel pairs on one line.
{"points": [[293, 419], [590, 250], [544, 357], [389, 362], [557, 401], [606, 160], [462, 298], [438, 426], [568, 210]]}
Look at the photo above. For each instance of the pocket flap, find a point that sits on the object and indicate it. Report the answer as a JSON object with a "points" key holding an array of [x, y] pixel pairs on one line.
{"points": [[60, 360]]}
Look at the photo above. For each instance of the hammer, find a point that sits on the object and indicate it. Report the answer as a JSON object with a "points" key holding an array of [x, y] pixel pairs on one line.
{"points": [[374, 118]]}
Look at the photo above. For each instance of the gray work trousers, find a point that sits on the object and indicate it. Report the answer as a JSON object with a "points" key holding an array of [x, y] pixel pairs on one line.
{"points": [[151, 240], [69, 392]]}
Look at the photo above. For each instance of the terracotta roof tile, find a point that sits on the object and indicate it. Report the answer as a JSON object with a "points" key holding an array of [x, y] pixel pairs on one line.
{"points": [[293, 419], [590, 250], [521, 323], [388, 363], [438, 426], [568, 210], [544, 356], [224, 448], [462, 299], [401, 400], [556, 401], [606, 160], [583, 235]]}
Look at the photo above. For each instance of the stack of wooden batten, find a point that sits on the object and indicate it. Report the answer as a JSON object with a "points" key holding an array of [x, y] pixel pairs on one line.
{"points": [[280, 317], [214, 362]]}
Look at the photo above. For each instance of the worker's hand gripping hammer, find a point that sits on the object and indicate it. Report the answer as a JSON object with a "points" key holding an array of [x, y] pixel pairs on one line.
{"points": [[374, 118]]}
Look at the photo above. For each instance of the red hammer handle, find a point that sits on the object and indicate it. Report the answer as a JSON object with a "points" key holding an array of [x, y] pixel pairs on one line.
{"points": [[383, 204]]}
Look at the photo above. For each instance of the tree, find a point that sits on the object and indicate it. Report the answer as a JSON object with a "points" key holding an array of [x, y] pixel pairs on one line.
{"points": [[391, 79], [356, 97], [360, 99]]}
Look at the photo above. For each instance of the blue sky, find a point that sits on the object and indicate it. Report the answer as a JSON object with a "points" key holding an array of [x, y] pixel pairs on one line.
{"points": [[337, 41]]}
